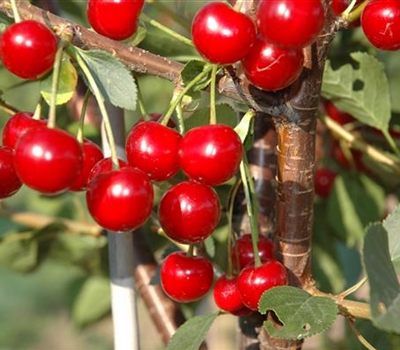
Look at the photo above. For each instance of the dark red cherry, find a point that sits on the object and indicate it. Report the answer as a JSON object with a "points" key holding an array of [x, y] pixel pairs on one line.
{"points": [[254, 281], [28, 49], [92, 154], [153, 148], [290, 23], [211, 153], [242, 251], [270, 67], [48, 160], [115, 19], [189, 212], [9, 180], [221, 34], [120, 200], [186, 278], [324, 181], [380, 21], [17, 125]]}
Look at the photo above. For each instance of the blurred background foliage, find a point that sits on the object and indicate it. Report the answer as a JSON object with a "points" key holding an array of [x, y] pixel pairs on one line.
{"points": [[54, 290]]}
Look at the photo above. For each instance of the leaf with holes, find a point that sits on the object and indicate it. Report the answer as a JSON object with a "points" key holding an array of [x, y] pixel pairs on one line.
{"points": [[362, 92], [301, 314]]}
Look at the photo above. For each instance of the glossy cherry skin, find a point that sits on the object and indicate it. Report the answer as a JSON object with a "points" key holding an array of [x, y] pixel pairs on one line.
{"points": [[115, 19], [186, 278], [221, 34], [120, 200], [337, 115], [254, 281], [189, 212], [270, 67], [211, 153], [9, 180], [92, 154], [17, 125], [290, 23], [324, 181], [227, 297], [380, 21], [28, 49], [48, 160], [104, 166], [153, 148], [242, 252]]}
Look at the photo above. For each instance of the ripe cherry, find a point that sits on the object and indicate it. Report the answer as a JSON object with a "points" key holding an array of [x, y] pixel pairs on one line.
{"points": [[290, 23], [115, 19], [270, 67], [48, 160], [324, 181], [189, 212], [120, 200], [338, 115], [153, 148], [254, 281], [28, 49], [104, 166], [242, 252], [227, 297], [211, 153], [380, 21], [9, 180], [92, 154], [186, 278], [17, 125], [221, 34]]}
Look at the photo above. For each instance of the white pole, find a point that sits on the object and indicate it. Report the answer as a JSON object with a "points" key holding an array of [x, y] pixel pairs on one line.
{"points": [[120, 251]]}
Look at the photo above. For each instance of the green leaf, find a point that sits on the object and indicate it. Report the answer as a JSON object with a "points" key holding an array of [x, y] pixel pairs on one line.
{"points": [[93, 301], [363, 92], [301, 314], [225, 115], [245, 130], [384, 286], [113, 78], [192, 333], [19, 251], [139, 36], [356, 200], [191, 70], [391, 225], [66, 85]]}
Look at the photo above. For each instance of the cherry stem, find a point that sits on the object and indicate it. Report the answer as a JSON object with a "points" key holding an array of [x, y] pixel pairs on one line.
{"points": [[75, 53], [17, 17], [80, 135], [213, 111], [166, 30], [177, 98], [54, 84], [37, 115], [252, 207], [354, 288], [190, 251], [140, 102], [359, 336], [391, 142], [352, 14], [165, 10]]}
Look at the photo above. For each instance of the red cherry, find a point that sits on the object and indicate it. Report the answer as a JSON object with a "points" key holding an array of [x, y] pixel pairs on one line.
{"points": [[104, 165], [290, 23], [120, 200], [189, 212], [270, 67], [243, 250], [9, 180], [211, 153], [254, 281], [28, 49], [92, 154], [48, 160], [157, 117], [227, 297], [338, 115], [115, 19], [186, 278], [324, 181], [17, 125], [380, 21], [221, 34], [153, 148]]}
